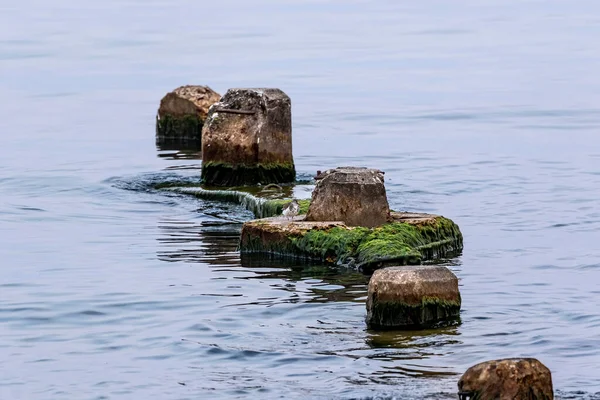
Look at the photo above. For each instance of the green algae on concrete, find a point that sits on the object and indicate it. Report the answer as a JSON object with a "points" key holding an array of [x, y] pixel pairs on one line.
{"points": [[334, 244], [409, 239], [406, 242], [279, 236], [412, 296], [381, 251], [262, 201], [433, 312], [224, 174]]}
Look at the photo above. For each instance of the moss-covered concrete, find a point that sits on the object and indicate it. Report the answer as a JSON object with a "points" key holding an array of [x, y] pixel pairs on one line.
{"points": [[262, 201], [413, 296], [408, 239], [171, 128], [223, 174]]}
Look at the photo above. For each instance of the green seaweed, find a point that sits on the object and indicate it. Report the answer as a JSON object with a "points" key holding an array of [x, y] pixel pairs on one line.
{"points": [[274, 250], [395, 243], [260, 207], [225, 174], [379, 252], [401, 243], [186, 127], [247, 197], [333, 245]]}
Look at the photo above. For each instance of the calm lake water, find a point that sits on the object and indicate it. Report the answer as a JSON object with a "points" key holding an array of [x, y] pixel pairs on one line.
{"points": [[485, 112]]}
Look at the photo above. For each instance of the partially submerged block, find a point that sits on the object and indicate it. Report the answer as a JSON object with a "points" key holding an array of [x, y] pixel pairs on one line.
{"points": [[353, 195], [412, 297], [507, 379], [247, 139], [262, 201], [409, 239], [182, 113]]}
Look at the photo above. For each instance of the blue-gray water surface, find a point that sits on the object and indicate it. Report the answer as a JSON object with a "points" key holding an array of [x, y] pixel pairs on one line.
{"points": [[487, 112]]}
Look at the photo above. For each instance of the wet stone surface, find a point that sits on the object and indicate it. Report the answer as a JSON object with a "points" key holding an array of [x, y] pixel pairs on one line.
{"points": [[350, 194], [182, 113], [247, 139], [507, 379], [412, 297], [409, 239]]}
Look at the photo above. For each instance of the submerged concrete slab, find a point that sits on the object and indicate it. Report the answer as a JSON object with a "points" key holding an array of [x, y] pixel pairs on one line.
{"points": [[409, 239]]}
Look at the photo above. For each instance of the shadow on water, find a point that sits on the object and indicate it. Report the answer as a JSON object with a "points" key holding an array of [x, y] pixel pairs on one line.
{"points": [[414, 339], [336, 284]]}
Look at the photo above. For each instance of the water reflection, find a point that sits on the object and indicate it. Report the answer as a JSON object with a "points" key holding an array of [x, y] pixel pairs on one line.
{"points": [[324, 283], [317, 311], [214, 241], [416, 338], [205, 242], [179, 150]]}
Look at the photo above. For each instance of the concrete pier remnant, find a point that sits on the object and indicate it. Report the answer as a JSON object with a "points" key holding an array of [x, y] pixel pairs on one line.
{"points": [[507, 379], [412, 297], [349, 223], [182, 113], [247, 139], [409, 238], [353, 195]]}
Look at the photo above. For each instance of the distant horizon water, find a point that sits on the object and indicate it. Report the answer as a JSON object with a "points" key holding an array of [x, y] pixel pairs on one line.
{"points": [[486, 113]]}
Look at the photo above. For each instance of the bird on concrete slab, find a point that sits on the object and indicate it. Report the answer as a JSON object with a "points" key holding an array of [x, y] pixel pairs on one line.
{"points": [[291, 209]]}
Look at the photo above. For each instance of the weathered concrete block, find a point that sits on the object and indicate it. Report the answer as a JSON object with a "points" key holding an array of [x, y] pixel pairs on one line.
{"points": [[182, 113], [507, 379], [353, 195], [247, 139], [412, 296], [408, 239]]}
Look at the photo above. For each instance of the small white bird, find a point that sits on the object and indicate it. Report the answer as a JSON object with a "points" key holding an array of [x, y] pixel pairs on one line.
{"points": [[291, 209]]}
